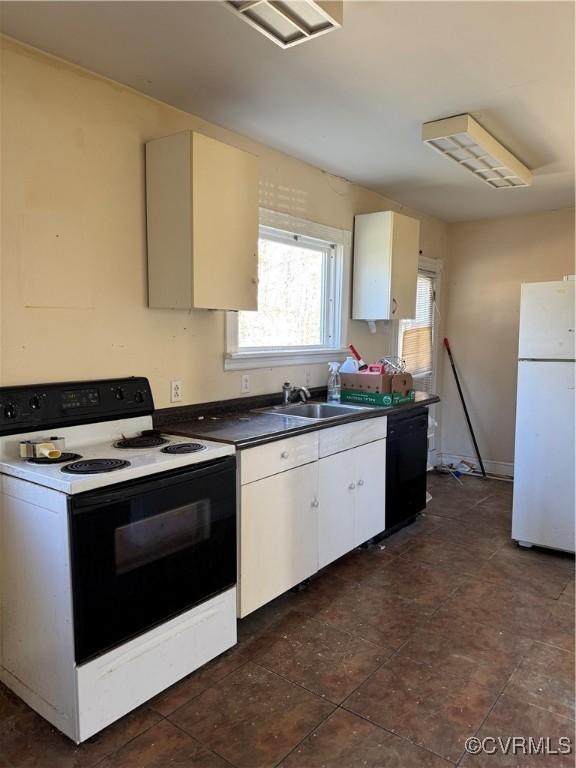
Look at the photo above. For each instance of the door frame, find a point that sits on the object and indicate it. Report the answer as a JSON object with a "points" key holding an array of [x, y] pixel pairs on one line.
{"points": [[435, 267]]}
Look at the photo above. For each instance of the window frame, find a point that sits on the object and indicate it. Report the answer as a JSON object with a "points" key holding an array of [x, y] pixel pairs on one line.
{"points": [[335, 317], [432, 267], [433, 277]]}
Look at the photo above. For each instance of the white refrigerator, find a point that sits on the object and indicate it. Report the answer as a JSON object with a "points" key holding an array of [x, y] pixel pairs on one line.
{"points": [[544, 472]]}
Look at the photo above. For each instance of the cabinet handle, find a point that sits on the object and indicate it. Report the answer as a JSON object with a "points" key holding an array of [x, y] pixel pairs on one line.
{"points": [[254, 281], [284, 454], [315, 503], [360, 483], [394, 305], [352, 486]]}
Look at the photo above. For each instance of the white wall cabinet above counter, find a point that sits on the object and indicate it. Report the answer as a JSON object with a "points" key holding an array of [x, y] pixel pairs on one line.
{"points": [[202, 224], [386, 246]]}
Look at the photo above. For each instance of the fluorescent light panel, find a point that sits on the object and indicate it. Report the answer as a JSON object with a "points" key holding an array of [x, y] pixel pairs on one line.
{"points": [[290, 22], [464, 141]]}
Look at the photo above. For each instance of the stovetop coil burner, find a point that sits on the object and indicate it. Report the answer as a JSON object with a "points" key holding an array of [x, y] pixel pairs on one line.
{"points": [[60, 460], [141, 441], [183, 448], [94, 466]]}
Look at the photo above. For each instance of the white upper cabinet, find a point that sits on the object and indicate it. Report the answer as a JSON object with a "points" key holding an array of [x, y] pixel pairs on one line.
{"points": [[202, 222], [386, 248]]}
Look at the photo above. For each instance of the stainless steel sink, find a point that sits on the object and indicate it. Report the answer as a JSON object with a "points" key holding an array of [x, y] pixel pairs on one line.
{"points": [[316, 410]]}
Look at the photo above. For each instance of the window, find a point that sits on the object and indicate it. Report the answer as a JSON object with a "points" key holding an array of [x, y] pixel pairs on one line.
{"points": [[300, 297], [416, 338], [294, 277]]}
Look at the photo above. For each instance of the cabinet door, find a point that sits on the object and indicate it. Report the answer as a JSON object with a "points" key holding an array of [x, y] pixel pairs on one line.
{"points": [[370, 492], [224, 225], [202, 224], [336, 486], [372, 266], [404, 273], [385, 266], [278, 535]]}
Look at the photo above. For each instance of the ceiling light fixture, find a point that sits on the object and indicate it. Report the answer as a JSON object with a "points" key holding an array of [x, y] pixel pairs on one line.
{"points": [[291, 22], [464, 141]]}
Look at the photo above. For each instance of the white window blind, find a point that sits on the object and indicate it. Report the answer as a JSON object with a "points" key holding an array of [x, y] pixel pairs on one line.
{"points": [[416, 337]]}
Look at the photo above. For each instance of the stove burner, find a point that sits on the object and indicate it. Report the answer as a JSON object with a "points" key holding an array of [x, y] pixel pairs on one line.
{"points": [[93, 466], [63, 457], [183, 448], [141, 441]]}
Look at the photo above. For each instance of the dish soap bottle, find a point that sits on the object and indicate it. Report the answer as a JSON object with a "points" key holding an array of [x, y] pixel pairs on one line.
{"points": [[333, 383]]}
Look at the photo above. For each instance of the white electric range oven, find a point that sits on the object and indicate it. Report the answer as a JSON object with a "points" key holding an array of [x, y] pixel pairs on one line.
{"points": [[118, 556]]}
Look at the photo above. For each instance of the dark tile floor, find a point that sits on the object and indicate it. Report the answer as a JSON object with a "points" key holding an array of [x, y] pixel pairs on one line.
{"points": [[390, 658]]}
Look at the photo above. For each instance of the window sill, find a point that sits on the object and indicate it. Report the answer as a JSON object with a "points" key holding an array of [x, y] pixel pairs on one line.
{"points": [[238, 361]]}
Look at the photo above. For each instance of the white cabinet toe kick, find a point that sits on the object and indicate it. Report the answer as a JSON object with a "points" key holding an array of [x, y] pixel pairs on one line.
{"points": [[306, 501]]}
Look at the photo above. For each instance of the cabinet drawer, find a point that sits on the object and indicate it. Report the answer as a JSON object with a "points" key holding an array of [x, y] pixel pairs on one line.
{"points": [[272, 458], [351, 435]]}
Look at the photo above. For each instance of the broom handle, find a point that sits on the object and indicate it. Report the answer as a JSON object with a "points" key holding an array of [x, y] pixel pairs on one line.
{"points": [[447, 345]]}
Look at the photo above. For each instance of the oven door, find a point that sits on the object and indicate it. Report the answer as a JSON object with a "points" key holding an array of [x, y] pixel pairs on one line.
{"points": [[146, 550]]}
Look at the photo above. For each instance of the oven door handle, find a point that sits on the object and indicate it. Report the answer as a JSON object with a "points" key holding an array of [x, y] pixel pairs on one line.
{"points": [[157, 482]]}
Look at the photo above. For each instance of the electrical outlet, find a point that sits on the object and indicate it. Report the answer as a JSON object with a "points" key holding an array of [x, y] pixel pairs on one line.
{"points": [[175, 391], [307, 377], [245, 384]]}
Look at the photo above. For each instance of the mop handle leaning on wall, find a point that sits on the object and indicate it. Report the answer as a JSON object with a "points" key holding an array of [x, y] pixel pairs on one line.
{"points": [[447, 345]]}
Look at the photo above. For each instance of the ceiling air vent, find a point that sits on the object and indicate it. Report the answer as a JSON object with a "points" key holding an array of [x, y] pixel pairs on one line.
{"points": [[292, 22], [464, 141]]}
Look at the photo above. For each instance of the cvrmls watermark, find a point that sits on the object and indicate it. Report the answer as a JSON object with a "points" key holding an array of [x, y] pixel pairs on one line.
{"points": [[519, 745]]}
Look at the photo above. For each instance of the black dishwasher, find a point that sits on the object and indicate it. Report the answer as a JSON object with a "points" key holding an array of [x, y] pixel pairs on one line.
{"points": [[406, 460]]}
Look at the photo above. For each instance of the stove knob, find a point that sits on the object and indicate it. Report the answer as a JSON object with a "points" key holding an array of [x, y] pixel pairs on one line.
{"points": [[139, 397], [119, 393], [10, 411], [35, 403]]}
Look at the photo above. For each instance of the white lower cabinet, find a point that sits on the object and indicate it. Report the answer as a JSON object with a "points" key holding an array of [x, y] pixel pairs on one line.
{"points": [[351, 495], [336, 484], [278, 535], [370, 491], [294, 520]]}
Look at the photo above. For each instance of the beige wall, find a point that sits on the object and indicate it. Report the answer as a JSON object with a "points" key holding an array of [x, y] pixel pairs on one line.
{"points": [[73, 236], [488, 261]]}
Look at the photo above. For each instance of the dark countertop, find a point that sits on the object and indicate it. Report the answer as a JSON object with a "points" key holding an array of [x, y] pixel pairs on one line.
{"points": [[246, 429]]}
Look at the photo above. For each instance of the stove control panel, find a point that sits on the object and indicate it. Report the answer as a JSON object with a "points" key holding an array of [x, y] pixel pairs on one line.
{"points": [[65, 404], [81, 398]]}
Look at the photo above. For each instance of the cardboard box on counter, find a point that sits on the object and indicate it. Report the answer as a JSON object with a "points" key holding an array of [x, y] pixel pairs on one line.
{"points": [[377, 383], [402, 383], [372, 398]]}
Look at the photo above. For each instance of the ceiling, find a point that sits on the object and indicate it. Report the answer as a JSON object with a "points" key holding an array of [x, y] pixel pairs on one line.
{"points": [[351, 102]]}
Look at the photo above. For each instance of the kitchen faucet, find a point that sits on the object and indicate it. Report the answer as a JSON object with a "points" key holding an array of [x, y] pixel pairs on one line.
{"points": [[289, 390]]}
